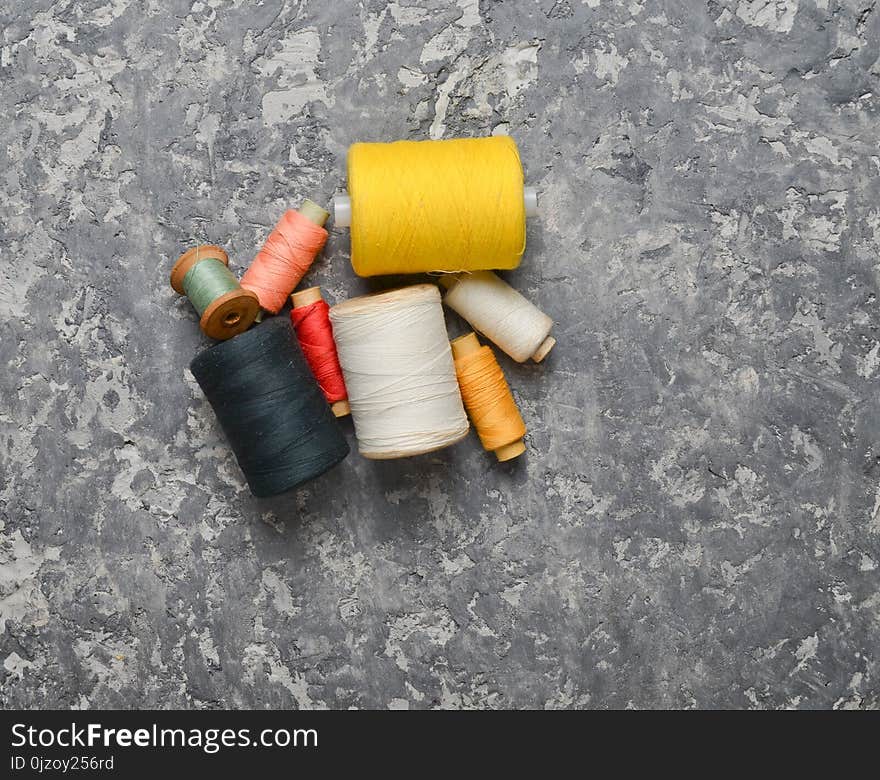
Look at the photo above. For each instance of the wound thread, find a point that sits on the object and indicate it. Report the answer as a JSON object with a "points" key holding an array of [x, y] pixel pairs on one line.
{"points": [[422, 206], [273, 413], [488, 399], [203, 275], [398, 369], [311, 320], [289, 251], [501, 314], [206, 281]]}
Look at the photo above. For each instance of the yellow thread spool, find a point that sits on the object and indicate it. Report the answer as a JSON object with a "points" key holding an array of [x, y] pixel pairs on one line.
{"points": [[423, 206], [488, 399]]}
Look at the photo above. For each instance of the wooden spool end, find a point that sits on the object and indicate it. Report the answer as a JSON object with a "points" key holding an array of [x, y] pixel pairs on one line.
{"points": [[464, 345], [543, 350], [230, 314], [341, 408], [510, 451], [313, 212], [306, 297], [192, 256]]}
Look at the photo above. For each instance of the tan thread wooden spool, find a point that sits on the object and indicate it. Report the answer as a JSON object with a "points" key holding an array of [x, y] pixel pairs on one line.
{"points": [[467, 345], [305, 298], [228, 315]]}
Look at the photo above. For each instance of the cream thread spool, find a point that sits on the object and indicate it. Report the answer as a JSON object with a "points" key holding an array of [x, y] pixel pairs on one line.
{"points": [[500, 313], [398, 368], [229, 313]]}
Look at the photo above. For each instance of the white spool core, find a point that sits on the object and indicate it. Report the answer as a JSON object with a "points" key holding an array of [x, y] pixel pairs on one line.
{"points": [[342, 210], [530, 196], [342, 206]]}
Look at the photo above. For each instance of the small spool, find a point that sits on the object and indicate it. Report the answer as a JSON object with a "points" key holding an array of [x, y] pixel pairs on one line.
{"points": [[467, 353], [300, 300], [231, 309], [500, 313], [287, 255]]}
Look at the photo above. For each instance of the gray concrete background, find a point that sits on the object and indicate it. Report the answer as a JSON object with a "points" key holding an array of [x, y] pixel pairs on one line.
{"points": [[697, 520]]}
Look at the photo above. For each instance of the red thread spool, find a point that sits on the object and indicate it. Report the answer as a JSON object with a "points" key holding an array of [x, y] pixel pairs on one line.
{"points": [[311, 320], [286, 256]]}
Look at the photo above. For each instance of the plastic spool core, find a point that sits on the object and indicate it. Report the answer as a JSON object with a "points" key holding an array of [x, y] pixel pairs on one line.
{"points": [[467, 345], [305, 298], [342, 206], [228, 315], [342, 210]]}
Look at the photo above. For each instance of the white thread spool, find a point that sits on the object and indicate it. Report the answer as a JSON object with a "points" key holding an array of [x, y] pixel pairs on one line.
{"points": [[500, 313], [342, 206], [398, 369]]}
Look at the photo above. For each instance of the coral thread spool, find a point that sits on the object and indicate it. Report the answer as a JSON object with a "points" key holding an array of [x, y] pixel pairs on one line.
{"points": [[202, 274], [289, 251], [311, 320], [488, 399]]}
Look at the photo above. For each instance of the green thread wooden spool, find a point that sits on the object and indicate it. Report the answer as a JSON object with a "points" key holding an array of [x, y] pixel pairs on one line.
{"points": [[202, 274]]}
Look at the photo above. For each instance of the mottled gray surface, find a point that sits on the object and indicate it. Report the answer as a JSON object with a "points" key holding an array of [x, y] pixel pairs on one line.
{"points": [[697, 520]]}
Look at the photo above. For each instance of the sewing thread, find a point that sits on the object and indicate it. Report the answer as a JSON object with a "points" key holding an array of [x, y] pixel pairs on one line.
{"points": [[289, 251], [488, 399], [398, 369], [272, 411], [310, 316], [501, 314], [422, 206], [203, 275]]}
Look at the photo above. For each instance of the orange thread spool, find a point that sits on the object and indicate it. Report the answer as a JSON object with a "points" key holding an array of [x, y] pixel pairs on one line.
{"points": [[311, 320], [488, 399], [288, 253]]}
